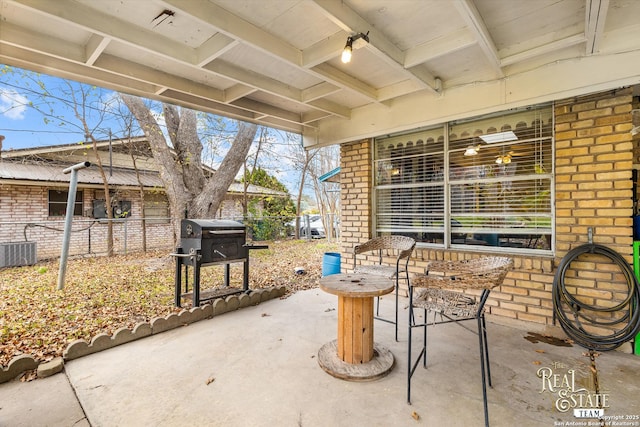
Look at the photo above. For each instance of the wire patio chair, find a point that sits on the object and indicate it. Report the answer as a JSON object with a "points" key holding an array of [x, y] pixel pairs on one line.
{"points": [[402, 247], [441, 291]]}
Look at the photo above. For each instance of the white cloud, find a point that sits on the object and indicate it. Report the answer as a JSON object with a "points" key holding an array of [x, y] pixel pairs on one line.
{"points": [[12, 105]]}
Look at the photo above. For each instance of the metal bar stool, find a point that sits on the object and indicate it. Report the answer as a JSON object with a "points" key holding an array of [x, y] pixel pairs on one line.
{"points": [[403, 246], [440, 290]]}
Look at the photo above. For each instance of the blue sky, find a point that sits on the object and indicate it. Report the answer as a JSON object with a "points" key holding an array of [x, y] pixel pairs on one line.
{"points": [[24, 126], [29, 119]]}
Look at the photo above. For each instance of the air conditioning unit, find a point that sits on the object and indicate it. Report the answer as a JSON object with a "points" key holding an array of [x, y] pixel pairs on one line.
{"points": [[18, 254]]}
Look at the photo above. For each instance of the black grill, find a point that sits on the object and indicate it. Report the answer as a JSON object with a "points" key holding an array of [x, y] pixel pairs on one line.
{"points": [[205, 242]]}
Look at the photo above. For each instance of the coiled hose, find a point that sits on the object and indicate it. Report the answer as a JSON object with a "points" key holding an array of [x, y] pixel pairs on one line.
{"points": [[575, 315]]}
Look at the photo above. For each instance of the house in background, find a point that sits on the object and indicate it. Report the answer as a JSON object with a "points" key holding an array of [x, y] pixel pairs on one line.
{"points": [[34, 192]]}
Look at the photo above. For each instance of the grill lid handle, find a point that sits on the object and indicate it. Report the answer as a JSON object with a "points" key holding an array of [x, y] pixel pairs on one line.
{"points": [[223, 231], [215, 251]]}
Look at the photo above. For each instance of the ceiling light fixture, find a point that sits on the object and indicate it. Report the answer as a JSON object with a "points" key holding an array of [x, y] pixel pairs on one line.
{"points": [[348, 48], [499, 137], [472, 150], [506, 159]]}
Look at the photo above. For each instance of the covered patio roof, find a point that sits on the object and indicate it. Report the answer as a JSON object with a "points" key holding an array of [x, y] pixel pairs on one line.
{"points": [[277, 62]]}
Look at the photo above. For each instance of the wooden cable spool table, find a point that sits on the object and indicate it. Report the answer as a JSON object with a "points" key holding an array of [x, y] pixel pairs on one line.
{"points": [[354, 355]]}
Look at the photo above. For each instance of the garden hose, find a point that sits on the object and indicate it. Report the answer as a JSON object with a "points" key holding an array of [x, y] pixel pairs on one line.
{"points": [[575, 316]]}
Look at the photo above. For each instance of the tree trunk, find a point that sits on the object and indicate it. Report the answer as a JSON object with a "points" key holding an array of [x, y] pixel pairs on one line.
{"points": [[189, 191], [107, 198], [209, 200], [245, 199], [79, 109], [142, 203]]}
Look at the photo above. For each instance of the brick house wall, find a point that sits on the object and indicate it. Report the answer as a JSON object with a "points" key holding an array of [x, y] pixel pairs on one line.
{"points": [[231, 207], [356, 177], [594, 157], [24, 216], [24, 212]]}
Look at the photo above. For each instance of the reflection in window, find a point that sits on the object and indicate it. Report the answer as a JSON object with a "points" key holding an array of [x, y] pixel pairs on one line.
{"points": [[495, 189]]}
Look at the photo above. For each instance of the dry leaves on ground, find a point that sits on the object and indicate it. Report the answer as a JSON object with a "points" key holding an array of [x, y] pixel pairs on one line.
{"points": [[104, 294]]}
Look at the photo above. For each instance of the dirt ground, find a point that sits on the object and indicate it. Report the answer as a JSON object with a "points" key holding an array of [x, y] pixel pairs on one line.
{"points": [[103, 294]]}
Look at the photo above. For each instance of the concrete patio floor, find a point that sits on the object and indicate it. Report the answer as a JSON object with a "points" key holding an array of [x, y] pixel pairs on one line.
{"points": [[258, 367]]}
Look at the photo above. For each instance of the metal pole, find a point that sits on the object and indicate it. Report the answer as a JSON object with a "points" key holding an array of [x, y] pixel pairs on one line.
{"points": [[71, 201], [307, 226], [110, 155], [125, 236]]}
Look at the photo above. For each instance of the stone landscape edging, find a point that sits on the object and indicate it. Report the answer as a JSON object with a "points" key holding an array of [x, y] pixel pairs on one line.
{"points": [[79, 348]]}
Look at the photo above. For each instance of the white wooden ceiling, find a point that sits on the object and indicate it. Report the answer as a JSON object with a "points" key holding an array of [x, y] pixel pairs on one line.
{"points": [[277, 62]]}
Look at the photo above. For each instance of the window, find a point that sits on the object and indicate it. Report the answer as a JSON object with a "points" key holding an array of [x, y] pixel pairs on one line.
{"points": [[58, 203], [484, 182], [156, 208], [410, 185]]}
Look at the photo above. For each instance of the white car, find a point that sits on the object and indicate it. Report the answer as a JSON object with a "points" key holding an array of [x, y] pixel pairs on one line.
{"points": [[315, 225]]}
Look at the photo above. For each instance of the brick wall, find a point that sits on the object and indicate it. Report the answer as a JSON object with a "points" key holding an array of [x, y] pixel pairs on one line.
{"points": [[636, 144], [594, 161], [24, 216], [355, 197], [231, 207], [594, 190], [24, 213]]}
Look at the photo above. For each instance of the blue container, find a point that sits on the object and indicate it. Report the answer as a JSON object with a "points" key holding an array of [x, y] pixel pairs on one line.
{"points": [[330, 264]]}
